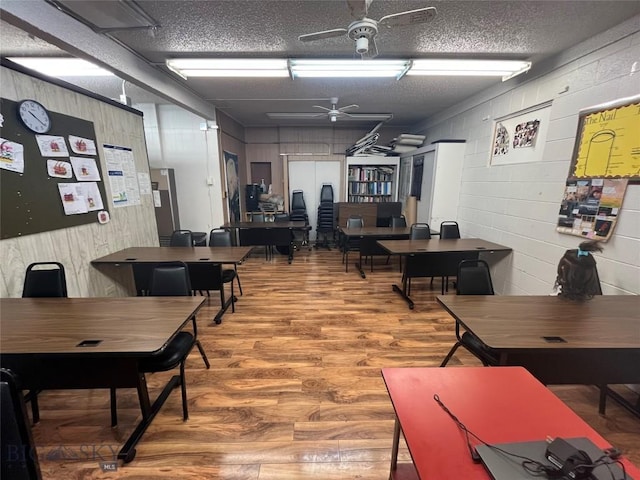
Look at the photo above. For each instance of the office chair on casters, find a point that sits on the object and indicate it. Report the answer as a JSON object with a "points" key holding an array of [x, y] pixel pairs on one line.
{"points": [[474, 278], [19, 457], [181, 238], [222, 238], [43, 282], [170, 279]]}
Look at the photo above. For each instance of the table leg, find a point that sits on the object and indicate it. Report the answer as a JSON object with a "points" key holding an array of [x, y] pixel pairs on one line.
{"points": [[403, 292], [394, 448], [128, 451]]}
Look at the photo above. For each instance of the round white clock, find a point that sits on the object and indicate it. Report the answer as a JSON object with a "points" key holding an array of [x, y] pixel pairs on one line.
{"points": [[34, 116]]}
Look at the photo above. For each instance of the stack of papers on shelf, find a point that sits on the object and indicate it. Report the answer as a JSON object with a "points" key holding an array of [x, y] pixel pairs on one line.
{"points": [[406, 142]]}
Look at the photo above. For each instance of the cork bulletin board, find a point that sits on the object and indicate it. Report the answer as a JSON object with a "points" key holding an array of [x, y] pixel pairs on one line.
{"points": [[41, 179]]}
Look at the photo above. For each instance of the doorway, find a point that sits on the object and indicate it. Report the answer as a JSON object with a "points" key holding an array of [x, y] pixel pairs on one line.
{"points": [[261, 171]]}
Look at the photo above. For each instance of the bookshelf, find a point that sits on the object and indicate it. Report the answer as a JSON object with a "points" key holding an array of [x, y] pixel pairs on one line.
{"points": [[372, 179]]}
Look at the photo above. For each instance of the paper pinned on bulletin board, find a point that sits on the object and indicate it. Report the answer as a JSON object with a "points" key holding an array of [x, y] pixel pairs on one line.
{"points": [[590, 208]]}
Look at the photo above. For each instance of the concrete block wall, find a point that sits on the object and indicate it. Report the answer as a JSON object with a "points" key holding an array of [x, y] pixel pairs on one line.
{"points": [[517, 205]]}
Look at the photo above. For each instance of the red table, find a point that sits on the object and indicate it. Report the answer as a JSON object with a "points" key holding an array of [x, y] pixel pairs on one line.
{"points": [[499, 404]]}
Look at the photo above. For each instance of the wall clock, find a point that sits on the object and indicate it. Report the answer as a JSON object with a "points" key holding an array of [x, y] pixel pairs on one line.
{"points": [[34, 116]]}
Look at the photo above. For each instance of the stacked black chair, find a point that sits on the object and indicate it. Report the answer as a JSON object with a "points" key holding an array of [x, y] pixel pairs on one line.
{"points": [[474, 278], [43, 279], [325, 226], [298, 213]]}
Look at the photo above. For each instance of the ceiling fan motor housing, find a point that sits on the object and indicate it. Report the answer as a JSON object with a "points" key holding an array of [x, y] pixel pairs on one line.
{"points": [[362, 31]]}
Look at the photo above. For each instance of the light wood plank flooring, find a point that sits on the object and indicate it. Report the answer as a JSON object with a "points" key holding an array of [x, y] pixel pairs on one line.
{"points": [[294, 390]]}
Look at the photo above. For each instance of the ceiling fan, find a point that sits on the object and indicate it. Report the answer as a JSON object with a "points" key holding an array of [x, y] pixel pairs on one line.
{"points": [[364, 30], [334, 113]]}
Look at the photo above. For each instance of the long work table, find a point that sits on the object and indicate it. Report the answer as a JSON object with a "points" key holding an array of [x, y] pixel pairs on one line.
{"points": [[267, 234], [435, 258], [366, 239], [559, 341], [148, 256], [85, 343]]}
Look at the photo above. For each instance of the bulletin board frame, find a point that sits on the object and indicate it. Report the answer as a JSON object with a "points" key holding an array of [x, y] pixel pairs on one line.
{"points": [[607, 144], [30, 201]]}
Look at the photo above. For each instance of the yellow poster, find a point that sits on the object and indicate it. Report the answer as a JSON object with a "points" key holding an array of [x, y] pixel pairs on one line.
{"points": [[609, 142]]}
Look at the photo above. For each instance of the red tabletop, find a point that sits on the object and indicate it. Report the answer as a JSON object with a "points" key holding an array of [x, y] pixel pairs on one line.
{"points": [[499, 404]]}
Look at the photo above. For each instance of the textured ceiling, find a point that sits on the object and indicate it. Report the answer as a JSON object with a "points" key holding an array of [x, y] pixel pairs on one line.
{"points": [[531, 30]]}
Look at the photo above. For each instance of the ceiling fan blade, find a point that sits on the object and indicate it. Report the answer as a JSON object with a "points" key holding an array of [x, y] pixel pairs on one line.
{"points": [[365, 116], [293, 115], [342, 109], [359, 8], [410, 17], [320, 106], [310, 37]]}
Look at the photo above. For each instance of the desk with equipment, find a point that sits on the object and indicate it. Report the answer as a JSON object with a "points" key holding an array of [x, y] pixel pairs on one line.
{"points": [[435, 258], [188, 255], [85, 343], [501, 405]]}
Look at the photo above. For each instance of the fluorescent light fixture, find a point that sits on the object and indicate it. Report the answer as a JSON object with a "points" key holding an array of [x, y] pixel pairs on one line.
{"points": [[500, 68], [229, 67], [302, 68], [61, 66]]}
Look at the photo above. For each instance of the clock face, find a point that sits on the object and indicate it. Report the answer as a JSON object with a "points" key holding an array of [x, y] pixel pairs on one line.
{"points": [[34, 116]]}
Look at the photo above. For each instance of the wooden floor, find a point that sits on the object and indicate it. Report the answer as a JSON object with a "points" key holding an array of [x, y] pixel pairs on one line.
{"points": [[294, 390]]}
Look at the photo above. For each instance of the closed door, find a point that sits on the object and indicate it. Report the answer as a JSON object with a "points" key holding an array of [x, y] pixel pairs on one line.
{"points": [[309, 177]]}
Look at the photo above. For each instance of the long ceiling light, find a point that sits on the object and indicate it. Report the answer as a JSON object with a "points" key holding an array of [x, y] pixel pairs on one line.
{"points": [[61, 66], [229, 67], [306, 68], [500, 68]]}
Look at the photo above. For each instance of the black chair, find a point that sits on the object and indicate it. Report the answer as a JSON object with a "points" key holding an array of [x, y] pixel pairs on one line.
{"points": [[420, 231], [281, 217], [45, 282], [38, 283], [19, 456], [354, 221], [208, 276], [170, 279], [449, 229], [474, 278], [222, 238], [181, 238], [398, 222], [298, 213]]}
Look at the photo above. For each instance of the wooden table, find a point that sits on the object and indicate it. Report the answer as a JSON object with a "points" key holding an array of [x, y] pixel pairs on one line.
{"points": [[41, 340], [559, 340], [138, 255], [267, 234], [501, 404], [435, 258], [367, 238]]}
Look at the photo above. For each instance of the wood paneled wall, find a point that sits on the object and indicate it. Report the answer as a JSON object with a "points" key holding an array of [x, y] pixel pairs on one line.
{"points": [[75, 247]]}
